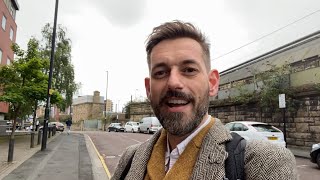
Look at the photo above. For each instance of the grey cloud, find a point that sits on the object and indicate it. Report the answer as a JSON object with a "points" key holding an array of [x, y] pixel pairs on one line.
{"points": [[122, 13]]}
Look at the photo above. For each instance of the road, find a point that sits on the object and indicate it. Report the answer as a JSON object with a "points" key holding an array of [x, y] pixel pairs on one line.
{"points": [[112, 144], [307, 170]]}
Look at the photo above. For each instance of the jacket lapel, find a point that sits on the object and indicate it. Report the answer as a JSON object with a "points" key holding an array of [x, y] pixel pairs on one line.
{"points": [[212, 155], [141, 158], [210, 162]]}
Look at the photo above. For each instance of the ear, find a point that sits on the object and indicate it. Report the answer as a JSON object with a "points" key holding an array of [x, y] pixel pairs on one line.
{"points": [[147, 86], [213, 82]]}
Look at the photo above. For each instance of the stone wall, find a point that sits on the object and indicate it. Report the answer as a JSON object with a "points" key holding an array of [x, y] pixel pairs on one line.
{"points": [[87, 111], [302, 125], [139, 110], [81, 112]]}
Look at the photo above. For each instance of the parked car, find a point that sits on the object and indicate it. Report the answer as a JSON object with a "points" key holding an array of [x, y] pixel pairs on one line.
{"points": [[250, 130], [131, 126], [149, 125], [116, 127], [315, 154], [59, 125]]}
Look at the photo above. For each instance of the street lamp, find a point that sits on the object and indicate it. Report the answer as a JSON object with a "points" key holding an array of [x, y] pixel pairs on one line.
{"points": [[47, 111], [105, 114], [107, 94]]}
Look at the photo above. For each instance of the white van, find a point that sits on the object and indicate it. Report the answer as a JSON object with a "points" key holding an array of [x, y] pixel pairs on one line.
{"points": [[149, 125], [131, 127]]}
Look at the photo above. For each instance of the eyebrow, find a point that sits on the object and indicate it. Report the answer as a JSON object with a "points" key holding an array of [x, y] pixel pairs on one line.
{"points": [[162, 64], [189, 61], [184, 62]]}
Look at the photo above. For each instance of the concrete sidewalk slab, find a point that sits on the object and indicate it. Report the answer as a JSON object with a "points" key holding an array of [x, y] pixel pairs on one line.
{"points": [[22, 151], [300, 151], [66, 157]]}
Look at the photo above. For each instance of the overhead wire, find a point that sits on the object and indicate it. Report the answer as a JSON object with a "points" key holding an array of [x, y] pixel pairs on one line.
{"points": [[264, 36]]}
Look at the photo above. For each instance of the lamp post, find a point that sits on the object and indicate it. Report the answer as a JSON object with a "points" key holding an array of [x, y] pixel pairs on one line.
{"points": [[105, 114], [107, 91], [49, 91]]}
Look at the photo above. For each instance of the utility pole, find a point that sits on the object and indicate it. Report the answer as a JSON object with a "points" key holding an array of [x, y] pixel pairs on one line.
{"points": [[49, 91], [105, 114]]}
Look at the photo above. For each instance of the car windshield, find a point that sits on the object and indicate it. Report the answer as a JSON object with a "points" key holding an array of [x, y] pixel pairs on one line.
{"points": [[135, 123], [264, 128]]}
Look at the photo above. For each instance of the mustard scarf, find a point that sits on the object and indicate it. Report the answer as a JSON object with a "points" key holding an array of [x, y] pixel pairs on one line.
{"points": [[183, 167]]}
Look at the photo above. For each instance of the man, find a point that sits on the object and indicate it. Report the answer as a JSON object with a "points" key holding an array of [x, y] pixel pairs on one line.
{"points": [[192, 144], [68, 123]]}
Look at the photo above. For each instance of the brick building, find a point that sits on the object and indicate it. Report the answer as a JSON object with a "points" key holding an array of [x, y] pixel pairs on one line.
{"points": [[8, 31], [88, 107], [108, 106]]}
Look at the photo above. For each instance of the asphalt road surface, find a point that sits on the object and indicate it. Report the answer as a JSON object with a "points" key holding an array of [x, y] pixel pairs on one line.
{"points": [[112, 144], [307, 170]]}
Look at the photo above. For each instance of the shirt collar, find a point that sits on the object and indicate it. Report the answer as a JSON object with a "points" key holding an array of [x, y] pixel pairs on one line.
{"points": [[182, 145]]}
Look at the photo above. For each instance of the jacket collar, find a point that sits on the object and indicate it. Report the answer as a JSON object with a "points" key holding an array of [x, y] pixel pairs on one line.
{"points": [[210, 163], [210, 159]]}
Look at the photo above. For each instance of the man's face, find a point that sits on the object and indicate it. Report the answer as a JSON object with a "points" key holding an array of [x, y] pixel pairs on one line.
{"points": [[179, 85]]}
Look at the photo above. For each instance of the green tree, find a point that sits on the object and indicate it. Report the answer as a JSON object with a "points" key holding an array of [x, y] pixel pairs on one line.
{"points": [[63, 71], [272, 83], [23, 83]]}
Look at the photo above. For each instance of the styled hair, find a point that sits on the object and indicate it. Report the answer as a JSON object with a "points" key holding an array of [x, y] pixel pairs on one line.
{"points": [[178, 29]]}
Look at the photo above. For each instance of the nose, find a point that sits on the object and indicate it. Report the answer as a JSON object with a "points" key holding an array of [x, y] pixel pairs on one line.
{"points": [[175, 80]]}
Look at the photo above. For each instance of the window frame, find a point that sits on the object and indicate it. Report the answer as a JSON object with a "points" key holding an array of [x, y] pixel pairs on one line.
{"points": [[8, 61], [1, 53], [5, 22], [11, 33]]}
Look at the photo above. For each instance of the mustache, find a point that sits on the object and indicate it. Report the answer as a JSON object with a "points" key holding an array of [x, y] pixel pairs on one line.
{"points": [[176, 94]]}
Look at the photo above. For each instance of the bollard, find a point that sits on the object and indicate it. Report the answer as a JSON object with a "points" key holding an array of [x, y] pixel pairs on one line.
{"points": [[54, 129], [49, 131], [39, 136]]}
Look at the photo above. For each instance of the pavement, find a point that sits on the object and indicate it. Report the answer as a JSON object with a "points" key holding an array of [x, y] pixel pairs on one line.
{"points": [[67, 157]]}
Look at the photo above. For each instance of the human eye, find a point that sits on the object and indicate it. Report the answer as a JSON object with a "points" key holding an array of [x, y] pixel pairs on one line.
{"points": [[158, 74], [190, 71]]}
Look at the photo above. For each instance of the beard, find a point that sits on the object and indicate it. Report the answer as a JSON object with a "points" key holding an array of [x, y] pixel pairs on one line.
{"points": [[179, 123]]}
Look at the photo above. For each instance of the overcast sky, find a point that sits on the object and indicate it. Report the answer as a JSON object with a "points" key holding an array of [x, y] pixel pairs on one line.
{"points": [[109, 35]]}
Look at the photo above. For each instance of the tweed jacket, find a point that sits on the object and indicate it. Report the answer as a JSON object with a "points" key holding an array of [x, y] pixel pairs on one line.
{"points": [[263, 160]]}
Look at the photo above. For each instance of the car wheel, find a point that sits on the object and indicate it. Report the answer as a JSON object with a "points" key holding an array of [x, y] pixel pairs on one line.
{"points": [[318, 160]]}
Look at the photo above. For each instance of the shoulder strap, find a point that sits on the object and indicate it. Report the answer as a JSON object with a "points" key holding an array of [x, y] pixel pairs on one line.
{"points": [[234, 165], [127, 168]]}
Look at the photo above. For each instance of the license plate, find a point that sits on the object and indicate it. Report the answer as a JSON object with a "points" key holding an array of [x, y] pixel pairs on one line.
{"points": [[273, 138]]}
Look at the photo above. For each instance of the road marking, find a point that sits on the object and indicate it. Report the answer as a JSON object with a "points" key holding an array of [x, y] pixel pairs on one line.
{"points": [[302, 166], [101, 159], [110, 157], [130, 138]]}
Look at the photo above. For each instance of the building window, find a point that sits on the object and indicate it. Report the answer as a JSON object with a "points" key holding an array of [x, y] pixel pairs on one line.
{"points": [[0, 55], [13, 12], [4, 22], [311, 62], [11, 34], [297, 66], [8, 61]]}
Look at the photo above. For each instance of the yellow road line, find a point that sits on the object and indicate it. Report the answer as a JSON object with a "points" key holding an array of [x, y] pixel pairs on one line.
{"points": [[101, 159]]}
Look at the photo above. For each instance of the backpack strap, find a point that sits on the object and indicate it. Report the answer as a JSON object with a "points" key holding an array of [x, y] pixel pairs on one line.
{"points": [[234, 164]]}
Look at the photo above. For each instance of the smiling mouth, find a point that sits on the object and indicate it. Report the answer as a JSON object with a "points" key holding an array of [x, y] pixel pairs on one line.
{"points": [[177, 102]]}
